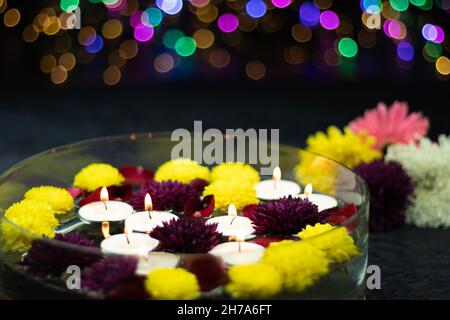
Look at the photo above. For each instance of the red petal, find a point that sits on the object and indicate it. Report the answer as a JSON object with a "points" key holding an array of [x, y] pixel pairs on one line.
{"points": [[197, 208], [75, 192], [349, 210], [265, 241], [248, 211], [199, 184], [336, 219], [136, 175], [114, 192]]}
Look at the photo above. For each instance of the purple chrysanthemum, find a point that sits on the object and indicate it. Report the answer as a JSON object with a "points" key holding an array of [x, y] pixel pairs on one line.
{"points": [[186, 236], [391, 190], [47, 257], [108, 273], [285, 216], [166, 195]]}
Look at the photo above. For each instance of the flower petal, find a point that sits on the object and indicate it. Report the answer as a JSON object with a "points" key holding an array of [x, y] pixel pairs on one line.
{"points": [[136, 175]]}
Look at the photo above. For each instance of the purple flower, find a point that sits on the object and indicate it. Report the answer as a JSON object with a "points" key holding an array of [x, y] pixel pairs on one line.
{"points": [[166, 195], [48, 257], [186, 236], [285, 216], [108, 273], [391, 190]]}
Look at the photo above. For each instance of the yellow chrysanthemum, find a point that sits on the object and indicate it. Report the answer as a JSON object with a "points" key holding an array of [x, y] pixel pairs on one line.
{"points": [[226, 192], [346, 147], [334, 241], [259, 280], [34, 216], [98, 175], [299, 263], [183, 170], [172, 284], [235, 170], [58, 198]]}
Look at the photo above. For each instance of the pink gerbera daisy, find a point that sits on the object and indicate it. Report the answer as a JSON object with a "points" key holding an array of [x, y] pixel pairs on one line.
{"points": [[391, 125]]}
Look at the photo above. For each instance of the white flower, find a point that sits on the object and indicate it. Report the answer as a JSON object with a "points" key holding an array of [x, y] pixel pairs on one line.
{"points": [[428, 164]]}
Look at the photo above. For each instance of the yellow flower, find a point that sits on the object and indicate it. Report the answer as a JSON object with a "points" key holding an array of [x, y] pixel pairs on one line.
{"points": [[183, 170], [36, 217], [334, 241], [239, 193], [299, 263], [235, 170], [260, 281], [98, 175], [172, 284], [58, 198], [346, 147]]}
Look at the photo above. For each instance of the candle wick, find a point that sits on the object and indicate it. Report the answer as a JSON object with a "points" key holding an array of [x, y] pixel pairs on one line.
{"points": [[106, 207], [232, 220], [128, 239], [149, 214], [239, 246]]}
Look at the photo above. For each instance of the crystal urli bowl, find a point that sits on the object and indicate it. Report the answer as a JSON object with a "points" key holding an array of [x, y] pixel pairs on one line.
{"points": [[58, 166]]}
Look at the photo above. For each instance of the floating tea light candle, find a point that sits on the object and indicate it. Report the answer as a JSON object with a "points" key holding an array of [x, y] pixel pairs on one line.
{"points": [[105, 210], [127, 243], [322, 201], [276, 188], [232, 224], [239, 251], [146, 221], [149, 261]]}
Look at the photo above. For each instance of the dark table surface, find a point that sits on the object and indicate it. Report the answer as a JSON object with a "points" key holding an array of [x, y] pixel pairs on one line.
{"points": [[415, 263]]}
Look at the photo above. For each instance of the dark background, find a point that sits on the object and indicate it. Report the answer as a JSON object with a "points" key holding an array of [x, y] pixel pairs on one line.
{"points": [[35, 116]]}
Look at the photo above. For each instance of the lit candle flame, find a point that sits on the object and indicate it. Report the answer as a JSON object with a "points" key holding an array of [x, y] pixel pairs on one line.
{"points": [[104, 196], [232, 212], [148, 204], [105, 229], [276, 176], [127, 230], [308, 190]]}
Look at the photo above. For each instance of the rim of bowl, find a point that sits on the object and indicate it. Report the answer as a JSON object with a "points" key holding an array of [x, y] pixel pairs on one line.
{"points": [[160, 134]]}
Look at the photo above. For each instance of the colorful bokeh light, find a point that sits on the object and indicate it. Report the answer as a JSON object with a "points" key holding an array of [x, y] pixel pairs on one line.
{"points": [[171, 7], [256, 8], [228, 22], [281, 3], [347, 47], [309, 14], [143, 33], [405, 51], [185, 46], [95, 44], [329, 20]]}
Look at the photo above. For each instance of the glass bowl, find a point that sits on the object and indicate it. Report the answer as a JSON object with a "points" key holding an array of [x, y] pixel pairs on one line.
{"points": [[57, 167]]}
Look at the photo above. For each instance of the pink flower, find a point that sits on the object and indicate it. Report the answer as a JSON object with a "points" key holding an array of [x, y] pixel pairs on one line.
{"points": [[391, 125]]}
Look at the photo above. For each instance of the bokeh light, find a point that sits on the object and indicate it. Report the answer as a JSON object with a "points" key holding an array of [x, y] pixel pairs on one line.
{"points": [[347, 47], [399, 5], [58, 75], [111, 75], [309, 14], [405, 51], [329, 20], [86, 36], [30, 33], [204, 38], [152, 16], [112, 29], [371, 6], [281, 3], [128, 49], [443, 65], [294, 55], [228, 22], [163, 63], [219, 58], [48, 62], [95, 45], [171, 37], [171, 7], [69, 5], [433, 33], [301, 33], [51, 25], [67, 60], [255, 70], [143, 33], [185, 46], [256, 8], [11, 17]]}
